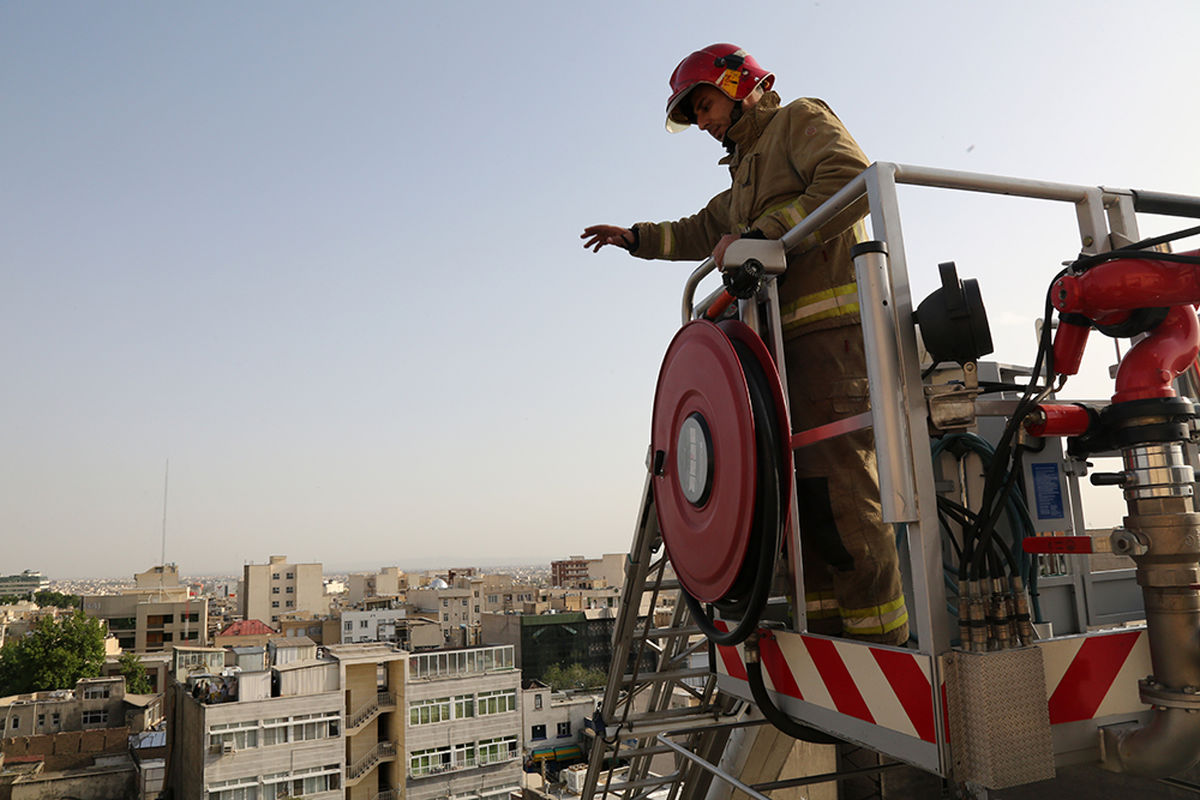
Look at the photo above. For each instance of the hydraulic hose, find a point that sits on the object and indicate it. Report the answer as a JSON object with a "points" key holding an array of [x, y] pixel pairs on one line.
{"points": [[762, 699]]}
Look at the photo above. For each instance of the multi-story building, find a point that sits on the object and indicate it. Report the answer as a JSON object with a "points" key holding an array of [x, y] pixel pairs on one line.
{"points": [[543, 640], [23, 584], [456, 607], [373, 680], [554, 723], [501, 594], [256, 735], [94, 703], [464, 724], [569, 571], [387, 582], [276, 588], [578, 572], [156, 614]]}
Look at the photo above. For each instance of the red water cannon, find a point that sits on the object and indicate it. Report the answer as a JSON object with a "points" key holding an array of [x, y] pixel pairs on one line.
{"points": [[1124, 297]]}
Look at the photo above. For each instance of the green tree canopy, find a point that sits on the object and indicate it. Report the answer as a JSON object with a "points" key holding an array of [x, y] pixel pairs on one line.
{"points": [[136, 679], [54, 655], [573, 676]]}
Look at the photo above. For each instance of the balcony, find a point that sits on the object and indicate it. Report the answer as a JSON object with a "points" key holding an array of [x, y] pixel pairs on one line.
{"points": [[384, 701], [386, 794], [384, 751]]}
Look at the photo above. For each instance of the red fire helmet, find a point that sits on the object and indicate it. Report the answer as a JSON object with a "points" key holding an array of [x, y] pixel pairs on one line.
{"points": [[725, 66]]}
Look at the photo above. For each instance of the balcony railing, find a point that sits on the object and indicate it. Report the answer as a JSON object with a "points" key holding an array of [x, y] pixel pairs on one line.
{"points": [[378, 753]]}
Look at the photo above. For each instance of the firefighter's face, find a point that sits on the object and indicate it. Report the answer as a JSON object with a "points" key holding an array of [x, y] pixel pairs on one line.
{"points": [[712, 109]]}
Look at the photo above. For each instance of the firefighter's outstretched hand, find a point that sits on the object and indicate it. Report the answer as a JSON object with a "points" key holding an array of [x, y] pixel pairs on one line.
{"points": [[718, 253], [597, 236]]}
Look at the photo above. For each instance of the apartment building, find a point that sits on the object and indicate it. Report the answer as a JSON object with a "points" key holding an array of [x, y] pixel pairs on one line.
{"points": [[23, 584], [463, 724], [156, 614], [456, 608], [578, 572], [387, 582], [93, 704], [268, 591], [553, 724], [256, 735], [502, 594]]}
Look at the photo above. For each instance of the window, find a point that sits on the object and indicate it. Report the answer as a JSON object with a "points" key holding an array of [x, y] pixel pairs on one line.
{"points": [[464, 706], [96, 692], [233, 736], [445, 617], [362, 623], [274, 590], [291, 575], [274, 604], [537, 702], [538, 732], [17, 721], [445, 603], [493, 599], [291, 603], [291, 590], [564, 729], [492, 750], [238, 789], [442, 759], [89, 718], [426, 712], [348, 625], [476, 609], [274, 576], [464, 602], [41, 720], [54, 719], [497, 702]]}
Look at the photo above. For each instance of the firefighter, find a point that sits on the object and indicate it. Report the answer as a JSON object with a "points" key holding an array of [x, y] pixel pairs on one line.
{"points": [[785, 161]]}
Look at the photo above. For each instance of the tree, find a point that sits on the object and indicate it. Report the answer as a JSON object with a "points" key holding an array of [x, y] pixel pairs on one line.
{"points": [[574, 676], [45, 597], [136, 679], [54, 655]]}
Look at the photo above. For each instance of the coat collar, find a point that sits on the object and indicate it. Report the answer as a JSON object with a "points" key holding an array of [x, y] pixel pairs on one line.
{"points": [[745, 132]]}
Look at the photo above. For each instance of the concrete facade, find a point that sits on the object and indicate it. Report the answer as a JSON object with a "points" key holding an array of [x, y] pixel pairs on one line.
{"points": [[270, 590], [94, 703], [232, 740], [152, 618], [464, 724]]}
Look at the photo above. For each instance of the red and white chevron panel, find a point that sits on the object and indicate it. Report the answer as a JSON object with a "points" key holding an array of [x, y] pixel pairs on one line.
{"points": [[1096, 675], [881, 686]]}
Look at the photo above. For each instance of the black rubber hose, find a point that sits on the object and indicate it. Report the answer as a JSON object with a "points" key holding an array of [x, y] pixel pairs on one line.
{"points": [[779, 719]]}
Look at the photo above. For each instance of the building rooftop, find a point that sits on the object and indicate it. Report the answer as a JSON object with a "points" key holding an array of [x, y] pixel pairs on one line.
{"points": [[249, 627]]}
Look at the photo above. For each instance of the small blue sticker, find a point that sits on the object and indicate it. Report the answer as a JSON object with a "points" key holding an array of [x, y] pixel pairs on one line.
{"points": [[1047, 491]]}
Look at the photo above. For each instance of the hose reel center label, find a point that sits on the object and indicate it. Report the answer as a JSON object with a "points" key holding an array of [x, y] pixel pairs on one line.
{"points": [[693, 460]]}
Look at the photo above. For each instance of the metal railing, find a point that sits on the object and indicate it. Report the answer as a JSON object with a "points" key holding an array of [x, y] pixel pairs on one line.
{"points": [[378, 753], [384, 701]]}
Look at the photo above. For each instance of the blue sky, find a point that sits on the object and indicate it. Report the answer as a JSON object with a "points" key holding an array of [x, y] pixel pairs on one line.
{"points": [[324, 257]]}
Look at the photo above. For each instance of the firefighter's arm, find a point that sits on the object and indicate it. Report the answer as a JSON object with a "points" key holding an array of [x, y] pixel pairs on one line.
{"points": [[826, 158], [689, 239]]}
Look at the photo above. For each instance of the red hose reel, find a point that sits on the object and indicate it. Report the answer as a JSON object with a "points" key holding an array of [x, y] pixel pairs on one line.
{"points": [[721, 460]]}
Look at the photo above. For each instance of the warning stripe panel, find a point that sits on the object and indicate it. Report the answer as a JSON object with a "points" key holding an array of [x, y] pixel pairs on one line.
{"points": [[1090, 676], [880, 686], [912, 686]]}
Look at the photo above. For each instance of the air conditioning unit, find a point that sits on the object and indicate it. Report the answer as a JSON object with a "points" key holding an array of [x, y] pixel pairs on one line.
{"points": [[228, 748]]}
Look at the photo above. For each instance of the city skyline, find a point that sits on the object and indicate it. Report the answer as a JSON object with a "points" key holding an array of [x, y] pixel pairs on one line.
{"points": [[326, 260]]}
